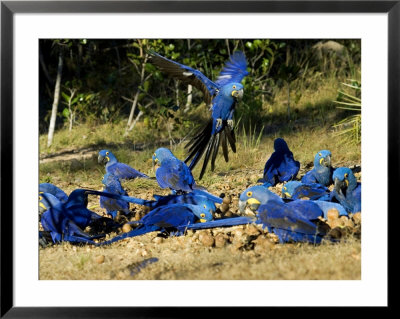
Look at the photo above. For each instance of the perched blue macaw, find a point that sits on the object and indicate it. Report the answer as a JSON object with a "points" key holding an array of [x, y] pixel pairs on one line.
{"points": [[113, 206], [171, 172], [296, 221], [347, 190], [298, 190], [66, 221], [281, 166], [258, 195], [322, 171], [54, 190], [47, 201], [172, 218], [120, 170], [255, 196], [222, 95]]}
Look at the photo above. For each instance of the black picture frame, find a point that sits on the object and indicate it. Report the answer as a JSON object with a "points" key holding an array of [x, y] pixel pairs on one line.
{"points": [[9, 8]]}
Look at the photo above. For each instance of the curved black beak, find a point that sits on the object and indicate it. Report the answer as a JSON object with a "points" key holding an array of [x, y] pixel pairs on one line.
{"points": [[340, 186]]}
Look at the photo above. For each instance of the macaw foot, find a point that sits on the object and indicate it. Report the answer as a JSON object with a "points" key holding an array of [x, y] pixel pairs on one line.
{"points": [[219, 123], [230, 124]]}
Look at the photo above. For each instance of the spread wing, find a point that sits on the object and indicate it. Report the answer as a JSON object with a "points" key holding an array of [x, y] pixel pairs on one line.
{"points": [[234, 70], [186, 74]]}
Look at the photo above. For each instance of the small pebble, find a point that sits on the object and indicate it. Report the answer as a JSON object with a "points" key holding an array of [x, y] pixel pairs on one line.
{"points": [[357, 218], [158, 240], [333, 214], [224, 207], [206, 239], [252, 230], [227, 200], [126, 228], [100, 259], [228, 214], [220, 240]]}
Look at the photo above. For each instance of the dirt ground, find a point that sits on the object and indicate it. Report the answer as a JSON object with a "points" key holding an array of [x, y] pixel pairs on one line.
{"points": [[242, 252]]}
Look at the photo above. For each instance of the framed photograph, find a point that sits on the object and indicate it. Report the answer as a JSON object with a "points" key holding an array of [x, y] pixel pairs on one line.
{"points": [[132, 78]]}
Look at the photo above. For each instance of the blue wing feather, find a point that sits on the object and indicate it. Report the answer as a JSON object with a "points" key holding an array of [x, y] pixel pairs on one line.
{"points": [[234, 70]]}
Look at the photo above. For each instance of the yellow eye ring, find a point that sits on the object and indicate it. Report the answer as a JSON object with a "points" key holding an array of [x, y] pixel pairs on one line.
{"points": [[40, 197], [319, 154], [234, 86], [107, 153], [154, 154], [202, 215], [249, 194], [346, 175], [204, 206], [284, 188]]}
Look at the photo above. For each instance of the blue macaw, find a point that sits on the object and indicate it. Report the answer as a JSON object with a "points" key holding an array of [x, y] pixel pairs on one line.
{"points": [[298, 190], [255, 196], [296, 221], [322, 171], [172, 218], [47, 201], [113, 206], [259, 195], [222, 95], [172, 172], [66, 221], [120, 170], [347, 190], [54, 190], [281, 166]]}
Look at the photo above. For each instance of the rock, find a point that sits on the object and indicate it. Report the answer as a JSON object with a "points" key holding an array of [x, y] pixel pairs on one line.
{"points": [[228, 214], [335, 233], [220, 240], [158, 240], [223, 208], [235, 201], [249, 212], [100, 259], [357, 218], [252, 230], [227, 200], [126, 228], [206, 239], [333, 214]]}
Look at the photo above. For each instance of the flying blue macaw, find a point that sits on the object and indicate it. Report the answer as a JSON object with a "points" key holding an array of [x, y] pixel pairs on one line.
{"points": [[222, 95], [171, 172], [66, 221], [113, 206], [54, 190], [281, 166], [322, 171], [172, 218], [120, 170], [298, 190], [347, 190]]}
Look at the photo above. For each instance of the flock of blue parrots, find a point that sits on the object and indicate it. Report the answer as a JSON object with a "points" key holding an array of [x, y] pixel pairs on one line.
{"points": [[297, 216]]}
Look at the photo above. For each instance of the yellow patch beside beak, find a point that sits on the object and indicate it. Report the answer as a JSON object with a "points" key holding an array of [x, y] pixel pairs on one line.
{"points": [[347, 182], [321, 160], [252, 201], [287, 194], [202, 220], [107, 158], [42, 205]]}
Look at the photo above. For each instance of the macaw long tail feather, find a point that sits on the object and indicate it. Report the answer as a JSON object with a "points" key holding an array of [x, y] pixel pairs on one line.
{"points": [[198, 144], [230, 134]]}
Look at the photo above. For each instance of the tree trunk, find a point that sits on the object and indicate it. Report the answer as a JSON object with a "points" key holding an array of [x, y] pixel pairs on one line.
{"points": [[56, 100], [189, 98]]}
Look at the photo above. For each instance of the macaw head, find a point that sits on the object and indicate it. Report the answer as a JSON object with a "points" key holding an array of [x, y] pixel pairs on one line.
{"points": [[46, 201], [161, 154], [255, 196], [234, 90], [344, 180], [78, 197], [280, 145], [322, 158], [204, 209], [288, 188], [105, 156]]}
